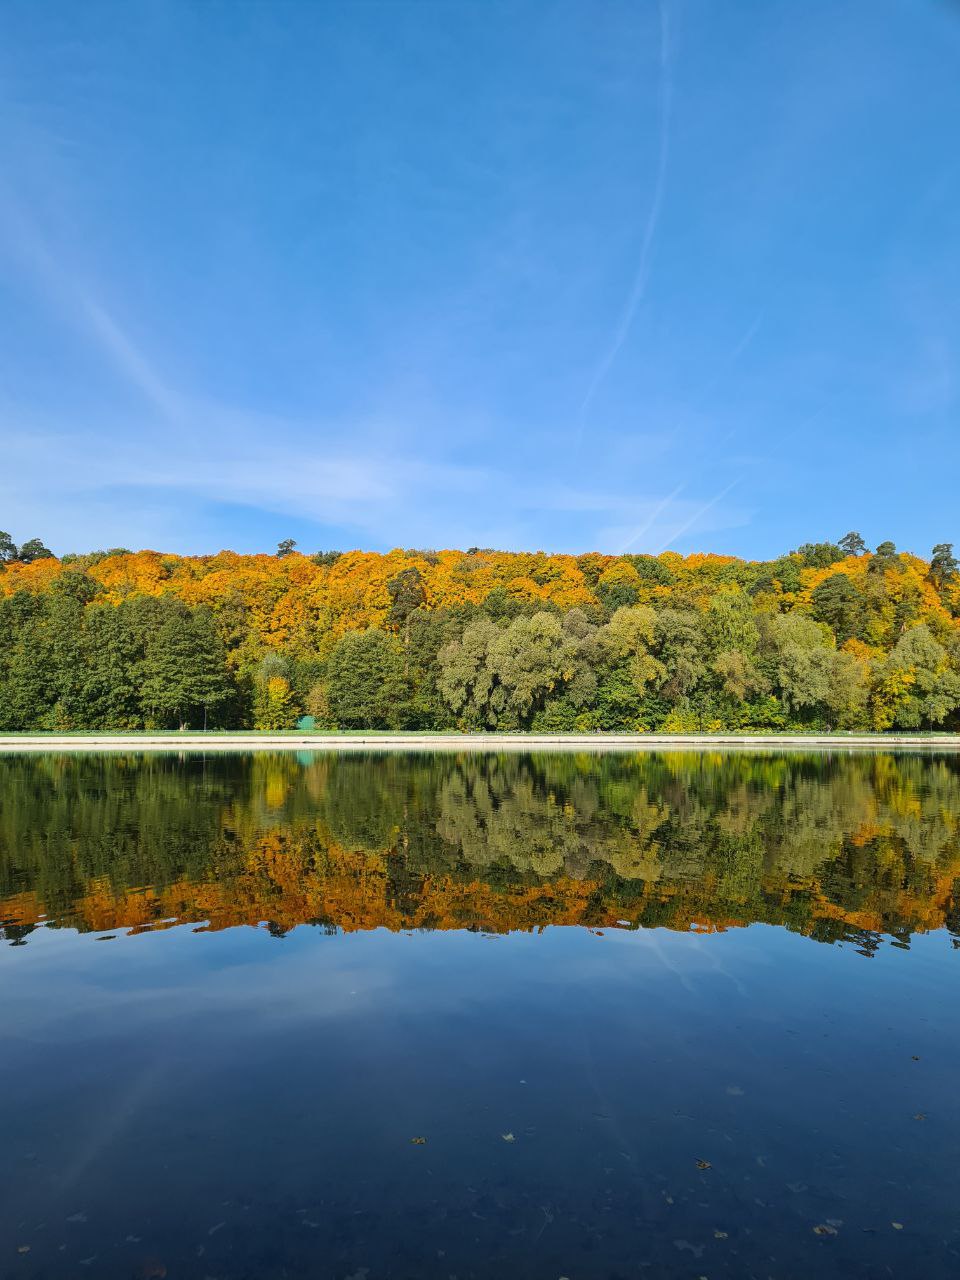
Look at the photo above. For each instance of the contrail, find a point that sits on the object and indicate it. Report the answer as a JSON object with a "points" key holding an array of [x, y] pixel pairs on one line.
{"points": [[654, 515], [697, 514], [63, 287], [640, 279]]}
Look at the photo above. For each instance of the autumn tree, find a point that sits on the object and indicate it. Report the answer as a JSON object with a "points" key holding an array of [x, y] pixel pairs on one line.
{"points": [[485, 639], [274, 704]]}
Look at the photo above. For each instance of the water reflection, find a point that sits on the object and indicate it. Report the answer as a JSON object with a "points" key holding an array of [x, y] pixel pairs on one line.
{"points": [[851, 847]]}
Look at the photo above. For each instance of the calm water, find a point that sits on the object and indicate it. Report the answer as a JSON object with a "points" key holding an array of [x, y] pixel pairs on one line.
{"points": [[480, 1016]]}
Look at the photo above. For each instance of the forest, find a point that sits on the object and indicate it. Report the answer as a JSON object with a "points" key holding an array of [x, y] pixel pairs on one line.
{"points": [[831, 636]]}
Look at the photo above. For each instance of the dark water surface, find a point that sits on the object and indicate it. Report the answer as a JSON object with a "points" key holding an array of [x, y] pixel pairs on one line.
{"points": [[644, 1015]]}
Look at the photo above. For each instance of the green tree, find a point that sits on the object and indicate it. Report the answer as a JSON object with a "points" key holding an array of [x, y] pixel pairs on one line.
{"points": [[32, 550], [501, 676], [819, 555], [838, 602], [885, 557], [851, 544], [184, 673], [681, 649], [944, 565], [365, 682], [406, 593], [917, 682], [115, 642], [26, 687]]}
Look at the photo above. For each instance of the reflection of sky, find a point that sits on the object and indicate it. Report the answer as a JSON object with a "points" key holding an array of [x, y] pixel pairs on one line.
{"points": [[158, 1082]]}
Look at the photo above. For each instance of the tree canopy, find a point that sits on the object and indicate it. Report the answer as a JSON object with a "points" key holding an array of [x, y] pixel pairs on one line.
{"points": [[828, 636]]}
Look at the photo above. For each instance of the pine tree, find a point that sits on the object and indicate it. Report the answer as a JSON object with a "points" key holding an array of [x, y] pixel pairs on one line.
{"points": [[184, 669]]}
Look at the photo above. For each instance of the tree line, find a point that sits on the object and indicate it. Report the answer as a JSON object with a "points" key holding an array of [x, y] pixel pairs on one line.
{"points": [[829, 636]]}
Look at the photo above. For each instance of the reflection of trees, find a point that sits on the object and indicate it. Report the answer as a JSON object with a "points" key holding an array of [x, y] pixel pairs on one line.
{"points": [[854, 845]]}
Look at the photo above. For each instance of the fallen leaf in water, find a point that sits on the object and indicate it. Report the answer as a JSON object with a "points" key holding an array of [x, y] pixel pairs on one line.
{"points": [[721, 1235], [915, 1056], [704, 1164], [418, 1142], [508, 1137], [921, 1115], [23, 1248], [824, 1229], [897, 1226], [153, 1269]]}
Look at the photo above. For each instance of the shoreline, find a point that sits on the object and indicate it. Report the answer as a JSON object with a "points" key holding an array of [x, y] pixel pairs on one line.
{"points": [[197, 742]]}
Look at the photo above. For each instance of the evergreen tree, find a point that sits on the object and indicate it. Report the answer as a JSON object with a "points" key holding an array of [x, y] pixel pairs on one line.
{"points": [[184, 675], [32, 550], [852, 544], [943, 565]]}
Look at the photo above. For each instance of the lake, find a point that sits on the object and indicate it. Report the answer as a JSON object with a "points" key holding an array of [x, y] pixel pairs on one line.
{"points": [[480, 1015]]}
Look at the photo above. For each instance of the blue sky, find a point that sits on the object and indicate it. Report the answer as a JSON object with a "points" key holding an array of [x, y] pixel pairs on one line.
{"points": [[527, 275]]}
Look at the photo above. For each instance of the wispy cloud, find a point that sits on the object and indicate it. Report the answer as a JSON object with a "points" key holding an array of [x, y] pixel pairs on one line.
{"points": [[638, 288], [153, 464]]}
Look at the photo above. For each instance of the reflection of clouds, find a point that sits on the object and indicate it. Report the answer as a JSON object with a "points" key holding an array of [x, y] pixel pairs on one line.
{"points": [[279, 980], [301, 985]]}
